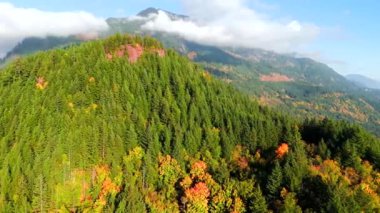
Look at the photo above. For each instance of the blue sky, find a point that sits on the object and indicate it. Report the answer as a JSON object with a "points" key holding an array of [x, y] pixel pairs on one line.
{"points": [[102, 8], [348, 38]]}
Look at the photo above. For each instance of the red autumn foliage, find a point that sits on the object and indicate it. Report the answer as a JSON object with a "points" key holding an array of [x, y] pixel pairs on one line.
{"points": [[316, 168], [198, 168], [199, 192], [242, 162], [275, 77], [199, 165], [108, 186], [282, 150], [120, 53], [134, 52]]}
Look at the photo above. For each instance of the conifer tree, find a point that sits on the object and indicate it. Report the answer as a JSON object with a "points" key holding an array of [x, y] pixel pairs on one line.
{"points": [[274, 181]]}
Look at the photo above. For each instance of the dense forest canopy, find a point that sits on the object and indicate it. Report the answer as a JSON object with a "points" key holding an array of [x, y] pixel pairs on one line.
{"points": [[124, 125]]}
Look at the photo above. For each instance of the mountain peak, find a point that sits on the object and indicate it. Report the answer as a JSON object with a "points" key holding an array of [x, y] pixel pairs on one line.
{"points": [[151, 10], [148, 11]]}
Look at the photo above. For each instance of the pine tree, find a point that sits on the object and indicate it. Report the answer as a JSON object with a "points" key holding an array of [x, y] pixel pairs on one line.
{"points": [[290, 204], [296, 166], [258, 203], [274, 181]]}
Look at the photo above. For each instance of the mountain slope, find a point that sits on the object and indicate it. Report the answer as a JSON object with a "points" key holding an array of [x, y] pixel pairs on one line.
{"points": [[34, 44], [124, 125], [297, 85], [363, 81]]}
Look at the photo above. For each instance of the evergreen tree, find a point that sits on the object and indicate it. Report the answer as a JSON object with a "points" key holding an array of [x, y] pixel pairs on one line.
{"points": [[274, 181], [258, 203]]}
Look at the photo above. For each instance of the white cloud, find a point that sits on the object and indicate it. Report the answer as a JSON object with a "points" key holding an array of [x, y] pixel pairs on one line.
{"points": [[18, 23], [234, 23]]}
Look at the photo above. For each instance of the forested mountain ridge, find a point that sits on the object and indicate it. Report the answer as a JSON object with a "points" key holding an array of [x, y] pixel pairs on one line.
{"points": [[298, 86], [124, 125]]}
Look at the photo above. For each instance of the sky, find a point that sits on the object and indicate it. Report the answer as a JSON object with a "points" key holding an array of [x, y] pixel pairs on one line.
{"points": [[345, 34]]}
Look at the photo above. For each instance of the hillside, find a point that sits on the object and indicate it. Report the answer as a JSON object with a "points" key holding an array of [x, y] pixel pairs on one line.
{"points": [[298, 86], [364, 81], [124, 125]]}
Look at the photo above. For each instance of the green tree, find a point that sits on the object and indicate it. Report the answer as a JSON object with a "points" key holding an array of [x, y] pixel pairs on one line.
{"points": [[274, 181], [258, 203]]}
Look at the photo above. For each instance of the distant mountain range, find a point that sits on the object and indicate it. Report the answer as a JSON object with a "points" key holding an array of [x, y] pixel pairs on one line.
{"points": [[364, 81], [299, 86]]}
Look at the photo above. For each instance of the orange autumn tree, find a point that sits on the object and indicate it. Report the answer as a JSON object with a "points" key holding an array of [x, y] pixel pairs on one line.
{"points": [[282, 150], [103, 186], [196, 190], [196, 198]]}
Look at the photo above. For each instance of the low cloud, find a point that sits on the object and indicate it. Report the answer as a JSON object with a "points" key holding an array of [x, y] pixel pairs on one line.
{"points": [[18, 23], [234, 23]]}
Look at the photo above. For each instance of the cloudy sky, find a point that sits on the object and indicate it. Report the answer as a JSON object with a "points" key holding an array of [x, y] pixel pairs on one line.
{"points": [[345, 34]]}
